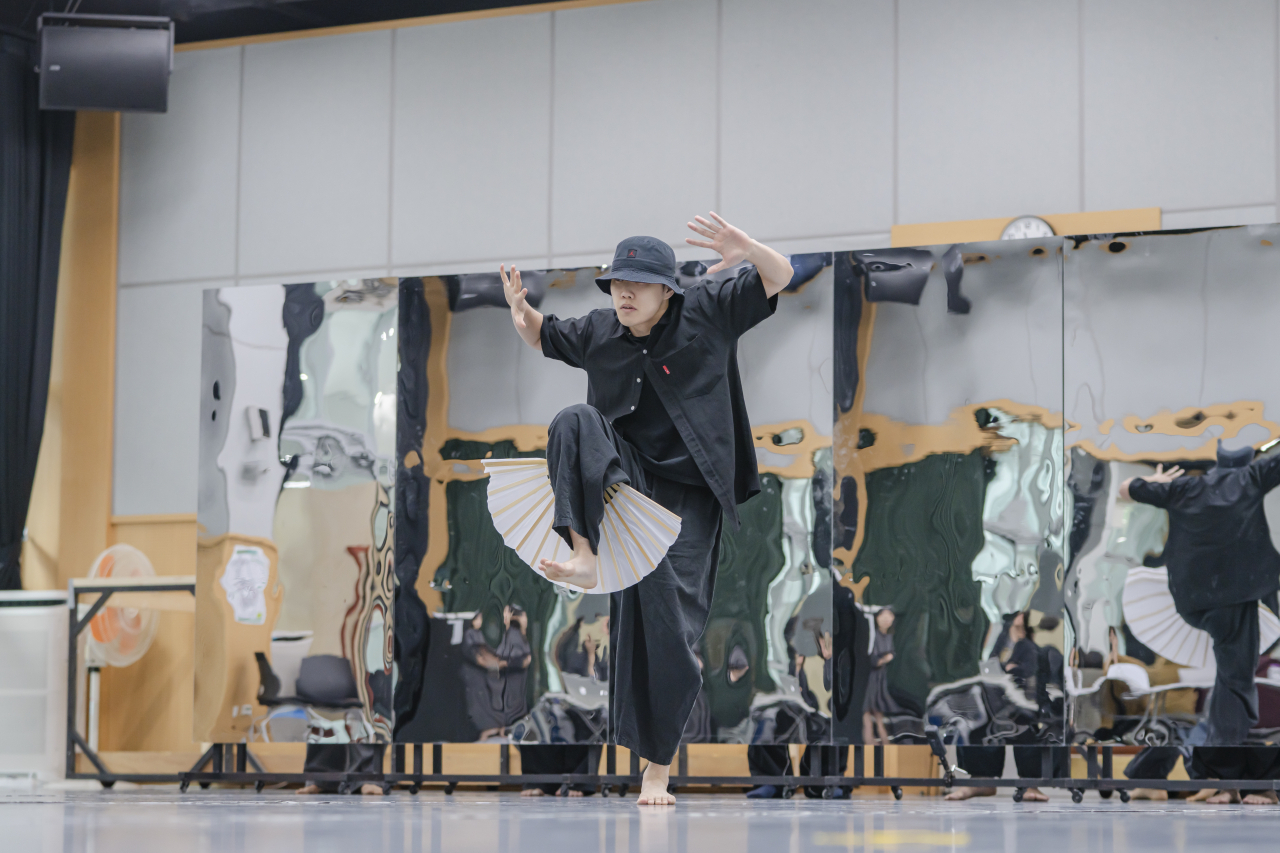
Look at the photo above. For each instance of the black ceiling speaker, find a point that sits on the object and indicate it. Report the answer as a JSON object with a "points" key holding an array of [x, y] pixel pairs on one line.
{"points": [[105, 62]]}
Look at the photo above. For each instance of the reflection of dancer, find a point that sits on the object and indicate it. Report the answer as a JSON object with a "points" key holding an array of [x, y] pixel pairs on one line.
{"points": [[1221, 564], [878, 701], [1026, 664], [664, 414], [494, 679]]}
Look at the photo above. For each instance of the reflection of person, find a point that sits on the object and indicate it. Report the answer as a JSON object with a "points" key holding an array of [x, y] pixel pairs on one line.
{"points": [[515, 656], [664, 414], [775, 759], [582, 655], [1221, 564], [494, 679], [1026, 663], [878, 701]]}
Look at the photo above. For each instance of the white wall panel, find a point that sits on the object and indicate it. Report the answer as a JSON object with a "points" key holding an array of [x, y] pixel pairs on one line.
{"points": [[178, 175], [315, 154], [807, 117], [1179, 103], [472, 138], [988, 115], [633, 122], [157, 429]]}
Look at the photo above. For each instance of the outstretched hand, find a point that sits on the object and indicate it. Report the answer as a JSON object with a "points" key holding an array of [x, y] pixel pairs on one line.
{"points": [[732, 244], [1163, 476], [515, 293]]}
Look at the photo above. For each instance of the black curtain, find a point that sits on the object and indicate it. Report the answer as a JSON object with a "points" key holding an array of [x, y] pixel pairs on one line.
{"points": [[35, 164]]}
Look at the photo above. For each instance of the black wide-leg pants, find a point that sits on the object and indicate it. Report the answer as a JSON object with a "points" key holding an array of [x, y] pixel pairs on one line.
{"points": [[654, 625], [1233, 704]]}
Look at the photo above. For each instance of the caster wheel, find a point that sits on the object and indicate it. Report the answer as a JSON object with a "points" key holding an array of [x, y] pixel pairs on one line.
{"points": [[897, 792], [258, 786], [1106, 794], [788, 793], [183, 786], [1077, 796], [109, 784], [1017, 794], [413, 789], [1124, 796], [204, 786], [827, 793]]}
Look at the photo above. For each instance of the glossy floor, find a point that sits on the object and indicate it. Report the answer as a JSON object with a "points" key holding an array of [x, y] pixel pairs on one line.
{"points": [[157, 820]]}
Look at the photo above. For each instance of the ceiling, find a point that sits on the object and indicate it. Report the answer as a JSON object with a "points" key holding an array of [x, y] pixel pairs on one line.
{"points": [[203, 20]]}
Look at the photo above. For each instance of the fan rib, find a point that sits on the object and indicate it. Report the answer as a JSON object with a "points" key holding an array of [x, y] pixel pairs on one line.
{"points": [[635, 540], [613, 558], [537, 476], [655, 517], [630, 563], [538, 553], [516, 502], [533, 527], [653, 540], [518, 521]]}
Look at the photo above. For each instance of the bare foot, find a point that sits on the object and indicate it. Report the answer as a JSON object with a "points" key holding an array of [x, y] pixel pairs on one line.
{"points": [[572, 793], [1223, 798], [1202, 795], [532, 792], [1149, 794], [309, 789], [579, 570], [1261, 798], [967, 793], [369, 789], [653, 789], [1034, 795]]}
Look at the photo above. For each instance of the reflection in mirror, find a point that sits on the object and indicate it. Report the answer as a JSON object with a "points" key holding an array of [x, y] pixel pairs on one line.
{"points": [[487, 650], [1170, 592], [949, 516], [767, 647], [296, 474]]}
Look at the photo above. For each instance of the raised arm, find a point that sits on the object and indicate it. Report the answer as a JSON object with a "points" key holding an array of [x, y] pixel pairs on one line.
{"points": [[527, 320], [1160, 476], [734, 247]]}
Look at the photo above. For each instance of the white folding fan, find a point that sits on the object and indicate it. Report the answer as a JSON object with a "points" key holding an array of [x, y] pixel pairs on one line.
{"points": [[1150, 612], [634, 534]]}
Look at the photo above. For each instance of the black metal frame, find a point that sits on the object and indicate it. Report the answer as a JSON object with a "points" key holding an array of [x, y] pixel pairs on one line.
{"points": [[221, 756], [76, 626], [1099, 775]]}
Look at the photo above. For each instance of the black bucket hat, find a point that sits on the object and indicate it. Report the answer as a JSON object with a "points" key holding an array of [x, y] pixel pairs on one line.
{"points": [[643, 259]]}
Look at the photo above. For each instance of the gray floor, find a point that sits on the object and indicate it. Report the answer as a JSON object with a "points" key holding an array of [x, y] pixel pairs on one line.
{"points": [[164, 821]]}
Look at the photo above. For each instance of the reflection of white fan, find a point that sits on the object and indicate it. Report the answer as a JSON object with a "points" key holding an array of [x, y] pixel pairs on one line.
{"points": [[1153, 619], [634, 534]]}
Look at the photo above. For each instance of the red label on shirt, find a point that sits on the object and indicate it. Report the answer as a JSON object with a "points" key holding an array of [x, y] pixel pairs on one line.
{"points": [[664, 367]]}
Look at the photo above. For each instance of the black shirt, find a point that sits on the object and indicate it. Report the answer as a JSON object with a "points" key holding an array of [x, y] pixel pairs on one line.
{"points": [[1219, 550], [691, 367], [650, 430]]}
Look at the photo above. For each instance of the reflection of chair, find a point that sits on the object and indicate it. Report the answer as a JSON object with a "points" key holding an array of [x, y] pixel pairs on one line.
{"points": [[324, 681]]}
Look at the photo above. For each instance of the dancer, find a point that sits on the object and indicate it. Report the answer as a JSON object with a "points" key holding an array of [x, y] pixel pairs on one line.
{"points": [[665, 415], [1221, 564]]}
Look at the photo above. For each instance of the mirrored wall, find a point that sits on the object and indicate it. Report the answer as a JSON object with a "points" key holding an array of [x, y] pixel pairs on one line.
{"points": [[944, 534]]}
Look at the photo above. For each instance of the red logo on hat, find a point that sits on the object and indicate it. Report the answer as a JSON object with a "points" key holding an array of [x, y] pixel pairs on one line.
{"points": [[664, 367], [631, 254]]}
